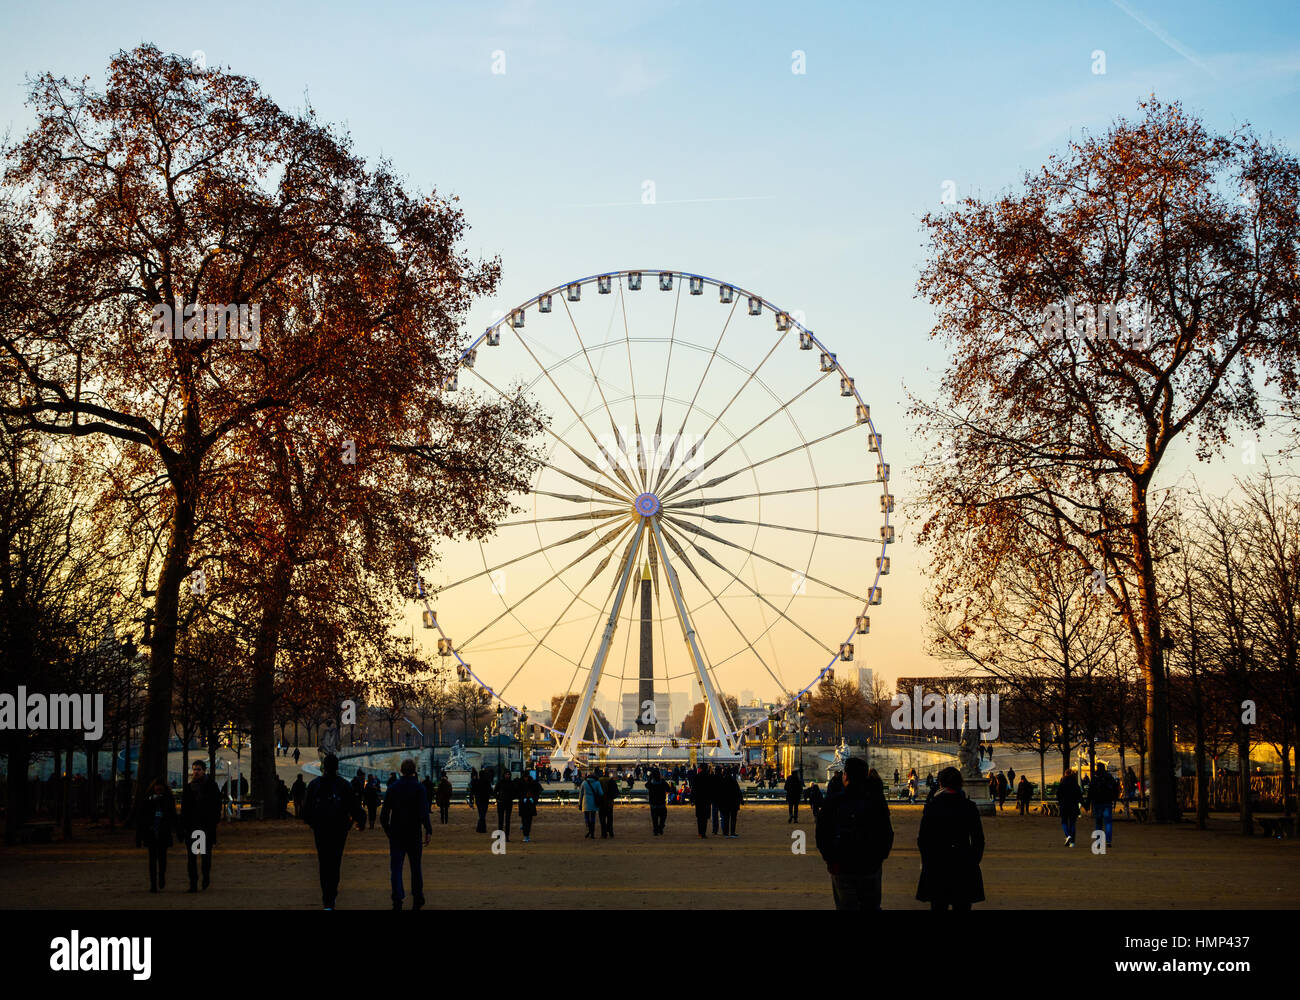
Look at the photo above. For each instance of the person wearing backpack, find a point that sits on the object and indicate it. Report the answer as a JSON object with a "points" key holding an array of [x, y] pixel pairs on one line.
{"points": [[590, 795], [854, 837], [1103, 790], [330, 809], [405, 814], [656, 790]]}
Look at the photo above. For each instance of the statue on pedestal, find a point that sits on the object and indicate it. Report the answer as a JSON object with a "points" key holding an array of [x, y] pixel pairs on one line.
{"points": [[456, 759]]}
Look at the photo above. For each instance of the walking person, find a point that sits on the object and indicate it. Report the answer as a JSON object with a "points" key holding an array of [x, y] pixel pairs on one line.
{"points": [[505, 793], [405, 814], [854, 837], [529, 790], [656, 790], [442, 795], [951, 840], [1102, 793], [702, 798], [480, 790], [911, 786], [1068, 797], [331, 808], [608, 793], [296, 756], [589, 797], [793, 793], [200, 813], [155, 822], [299, 795], [372, 799], [815, 799], [1002, 790], [1130, 791], [732, 797], [1024, 791]]}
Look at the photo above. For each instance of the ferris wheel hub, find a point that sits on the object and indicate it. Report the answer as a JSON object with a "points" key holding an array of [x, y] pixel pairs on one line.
{"points": [[648, 505]]}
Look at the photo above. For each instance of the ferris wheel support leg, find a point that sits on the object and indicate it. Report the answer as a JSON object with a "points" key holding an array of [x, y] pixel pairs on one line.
{"points": [[714, 706], [577, 726]]}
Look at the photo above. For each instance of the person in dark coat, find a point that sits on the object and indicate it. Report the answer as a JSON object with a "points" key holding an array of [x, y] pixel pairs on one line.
{"points": [[656, 790], [1068, 797], [729, 797], [298, 792], [371, 798], [609, 792], [702, 798], [529, 791], [331, 809], [1024, 791], [1102, 793], [1002, 790], [951, 840], [854, 837], [442, 795], [404, 816], [155, 822], [282, 799], [793, 793], [359, 788], [814, 796], [429, 789], [480, 790], [505, 793], [200, 813]]}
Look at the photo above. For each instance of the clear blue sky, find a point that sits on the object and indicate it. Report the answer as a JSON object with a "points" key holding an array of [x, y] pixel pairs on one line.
{"points": [[805, 187]]}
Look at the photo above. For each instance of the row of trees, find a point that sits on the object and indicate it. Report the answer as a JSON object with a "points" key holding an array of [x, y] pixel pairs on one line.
{"points": [[253, 517], [1051, 443]]}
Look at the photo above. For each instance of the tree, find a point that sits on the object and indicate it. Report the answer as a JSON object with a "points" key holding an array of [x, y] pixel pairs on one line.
{"points": [[1065, 421], [837, 702], [177, 189]]}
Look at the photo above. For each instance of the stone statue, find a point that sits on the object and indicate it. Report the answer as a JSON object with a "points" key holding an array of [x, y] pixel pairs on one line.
{"points": [[329, 740], [456, 759], [969, 753]]}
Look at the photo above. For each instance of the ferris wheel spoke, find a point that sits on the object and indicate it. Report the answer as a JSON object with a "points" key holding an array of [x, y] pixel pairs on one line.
{"points": [[711, 501], [663, 471], [739, 631], [538, 551], [559, 440], [600, 388], [783, 408], [663, 393], [631, 377], [563, 614], [704, 554], [551, 579], [719, 480], [569, 403], [582, 516], [696, 530], [596, 487], [694, 448], [720, 519]]}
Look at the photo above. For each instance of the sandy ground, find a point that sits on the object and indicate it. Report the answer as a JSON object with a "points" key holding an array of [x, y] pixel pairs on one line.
{"points": [[273, 866]]}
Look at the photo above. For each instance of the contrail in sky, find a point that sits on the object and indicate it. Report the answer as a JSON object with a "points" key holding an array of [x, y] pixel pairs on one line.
{"points": [[1164, 36]]}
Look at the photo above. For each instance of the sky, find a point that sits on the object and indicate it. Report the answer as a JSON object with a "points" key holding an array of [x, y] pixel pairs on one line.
{"points": [[790, 149]]}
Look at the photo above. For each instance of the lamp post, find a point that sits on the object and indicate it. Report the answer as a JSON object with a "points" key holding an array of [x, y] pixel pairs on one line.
{"points": [[498, 742], [524, 746], [128, 653]]}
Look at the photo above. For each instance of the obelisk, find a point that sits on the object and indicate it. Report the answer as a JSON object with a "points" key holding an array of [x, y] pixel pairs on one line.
{"points": [[646, 688]]}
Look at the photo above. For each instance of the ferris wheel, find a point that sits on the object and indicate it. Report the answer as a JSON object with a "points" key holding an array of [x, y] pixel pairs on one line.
{"points": [[711, 519]]}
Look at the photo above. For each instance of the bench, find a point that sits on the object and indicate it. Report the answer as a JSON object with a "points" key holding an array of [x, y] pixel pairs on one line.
{"points": [[1141, 813], [38, 832], [1276, 826], [1049, 809]]}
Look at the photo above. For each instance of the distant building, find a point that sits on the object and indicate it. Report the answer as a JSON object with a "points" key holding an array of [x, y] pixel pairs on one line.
{"points": [[865, 680], [631, 711], [746, 698]]}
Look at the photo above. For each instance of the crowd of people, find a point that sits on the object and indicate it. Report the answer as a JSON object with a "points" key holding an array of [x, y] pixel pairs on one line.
{"points": [[853, 831]]}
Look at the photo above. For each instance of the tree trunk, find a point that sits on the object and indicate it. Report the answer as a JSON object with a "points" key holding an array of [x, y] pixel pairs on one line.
{"points": [[65, 794], [162, 653], [1286, 777], [92, 784], [262, 710], [18, 759], [1243, 781], [1164, 802]]}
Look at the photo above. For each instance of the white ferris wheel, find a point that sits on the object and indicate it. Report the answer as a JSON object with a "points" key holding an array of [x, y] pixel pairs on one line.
{"points": [[711, 518]]}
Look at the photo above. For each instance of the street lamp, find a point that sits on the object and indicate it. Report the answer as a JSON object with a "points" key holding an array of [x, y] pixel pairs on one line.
{"points": [[128, 653], [498, 742]]}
